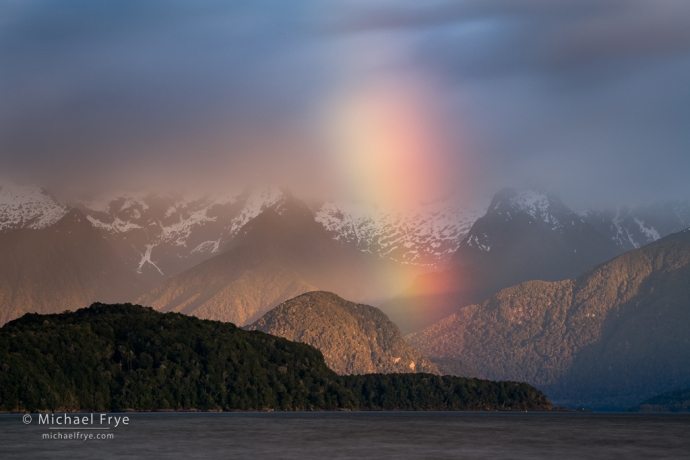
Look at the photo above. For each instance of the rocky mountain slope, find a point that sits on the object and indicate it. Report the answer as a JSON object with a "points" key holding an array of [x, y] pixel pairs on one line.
{"points": [[525, 235], [632, 228], [609, 338], [280, 254], [160, 236], [354, 338], [49, 267]]}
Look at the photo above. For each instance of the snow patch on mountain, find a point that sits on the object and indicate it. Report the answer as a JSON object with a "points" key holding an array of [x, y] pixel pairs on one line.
{"points": [[28, 206], [127, 213], [100, 205], [623, 232], [480, 242], [649, 232], [256, 203], [146, 259], [174, 232], [634, 227], [425, 236], [207, 247], [539, 209], [178, 233], [536, 204], [116, 226]]}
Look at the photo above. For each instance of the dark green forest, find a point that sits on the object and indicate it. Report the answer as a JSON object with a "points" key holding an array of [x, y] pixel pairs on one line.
{"points": [[127, 357]]}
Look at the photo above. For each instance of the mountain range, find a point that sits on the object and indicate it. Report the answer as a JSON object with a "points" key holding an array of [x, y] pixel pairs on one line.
{"points": [[611, 337], [160, 236], [524, 235], [236, 258], [278, 255], [672, 401]]}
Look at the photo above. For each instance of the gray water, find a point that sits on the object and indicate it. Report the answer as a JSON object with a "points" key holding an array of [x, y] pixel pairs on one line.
{"points": [[385, 435]]}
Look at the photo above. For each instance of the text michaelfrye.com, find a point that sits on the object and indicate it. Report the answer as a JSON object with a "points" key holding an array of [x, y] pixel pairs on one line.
{"points": [[77, 427]]}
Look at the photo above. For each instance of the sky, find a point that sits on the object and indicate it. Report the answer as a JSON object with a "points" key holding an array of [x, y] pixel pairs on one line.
{"points": [[381, 100]]}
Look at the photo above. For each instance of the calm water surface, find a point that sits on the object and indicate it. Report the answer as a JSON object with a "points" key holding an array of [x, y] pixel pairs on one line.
{"points": [[386, 435]]}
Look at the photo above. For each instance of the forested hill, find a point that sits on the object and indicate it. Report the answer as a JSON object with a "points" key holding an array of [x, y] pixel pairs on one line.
{"points": [[354, 338], [119, 357]]}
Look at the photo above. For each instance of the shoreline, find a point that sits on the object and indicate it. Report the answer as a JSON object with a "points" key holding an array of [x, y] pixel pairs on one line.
{"points": [[199, 411]]}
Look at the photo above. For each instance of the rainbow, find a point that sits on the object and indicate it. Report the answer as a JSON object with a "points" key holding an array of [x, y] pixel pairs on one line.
{"points": [[390, 149], [387, 146]]}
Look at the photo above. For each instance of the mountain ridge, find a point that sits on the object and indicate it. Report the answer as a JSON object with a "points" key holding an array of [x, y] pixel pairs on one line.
{"points": [[285, 246], [524, 235]]}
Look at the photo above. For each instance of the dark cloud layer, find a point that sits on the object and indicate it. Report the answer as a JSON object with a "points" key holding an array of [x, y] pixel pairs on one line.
{"points": [[587, 97]]}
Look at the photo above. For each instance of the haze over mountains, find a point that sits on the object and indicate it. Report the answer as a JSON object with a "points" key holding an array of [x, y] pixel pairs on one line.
{"points": [[157, 237]]}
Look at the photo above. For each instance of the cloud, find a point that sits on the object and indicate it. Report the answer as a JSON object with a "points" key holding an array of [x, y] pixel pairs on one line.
{"points": [[218, 93], [538, 34], [110, 88]]}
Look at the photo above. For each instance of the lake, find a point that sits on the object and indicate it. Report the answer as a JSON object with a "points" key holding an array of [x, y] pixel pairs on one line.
{"points": [[342, 435]]}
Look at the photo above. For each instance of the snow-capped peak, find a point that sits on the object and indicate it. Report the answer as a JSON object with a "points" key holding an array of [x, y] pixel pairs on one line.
{"points": [[532, 202], [538, 204], [425, 236], [28, 206]]}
